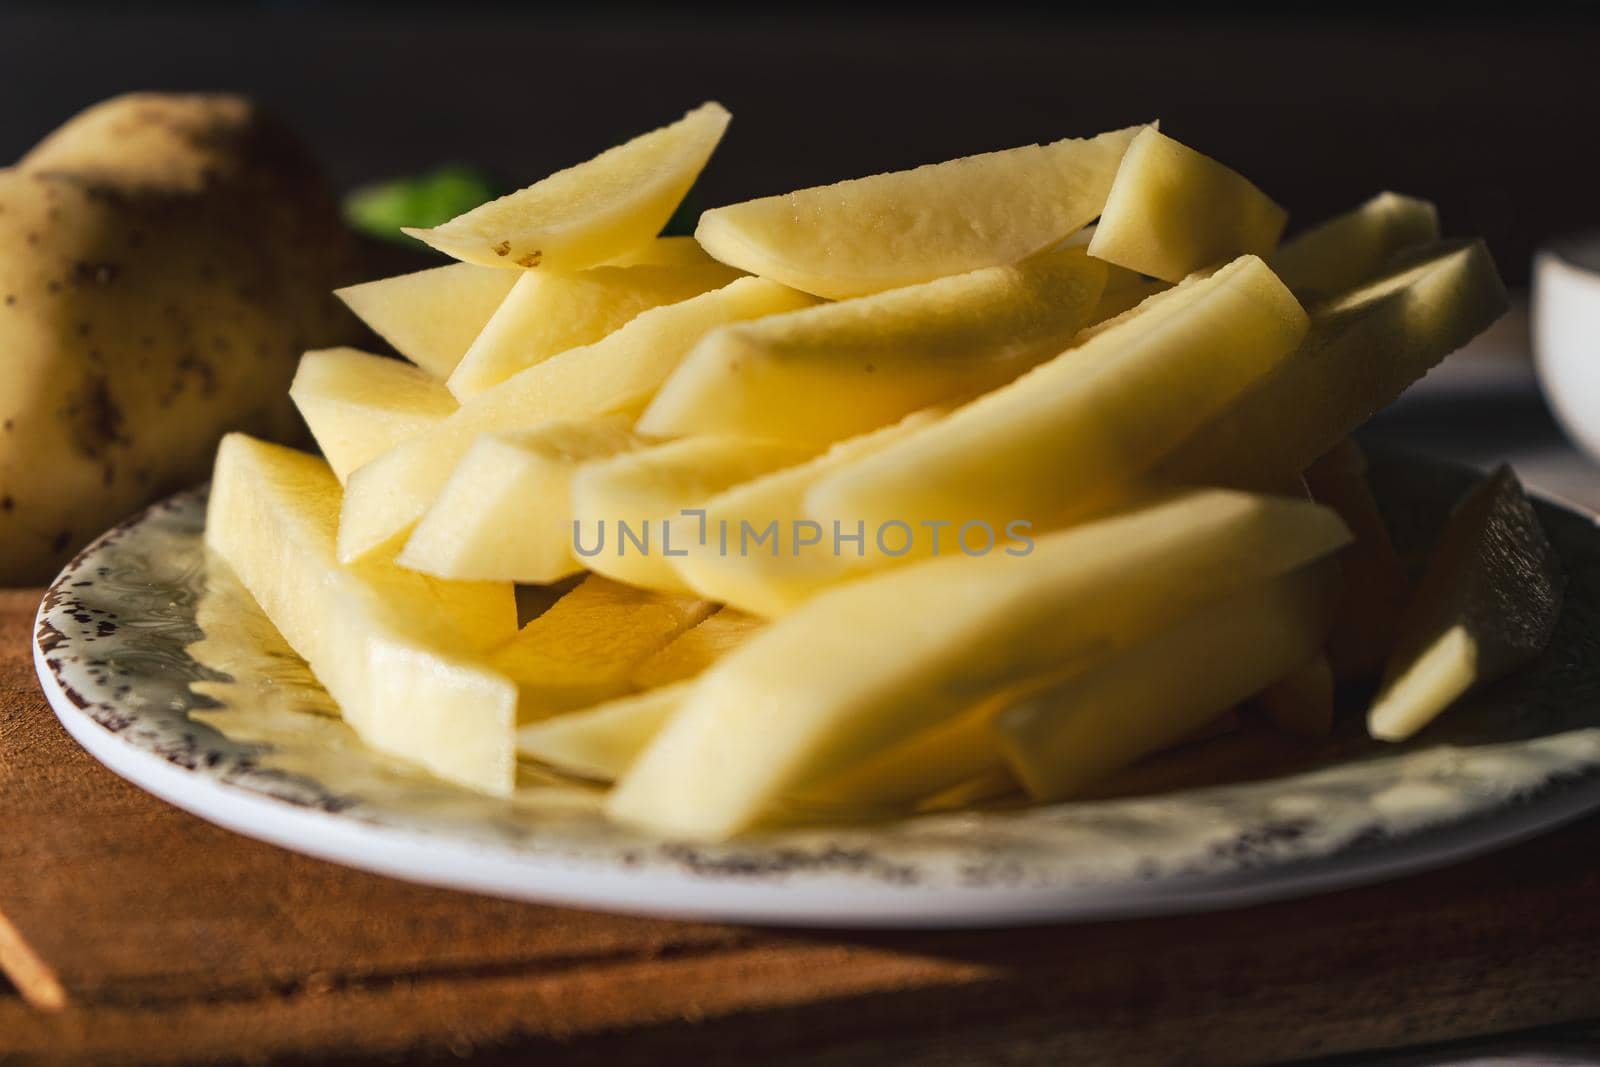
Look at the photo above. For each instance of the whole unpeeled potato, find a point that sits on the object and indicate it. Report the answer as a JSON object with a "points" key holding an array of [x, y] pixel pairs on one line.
{"points": [[164, 260]]}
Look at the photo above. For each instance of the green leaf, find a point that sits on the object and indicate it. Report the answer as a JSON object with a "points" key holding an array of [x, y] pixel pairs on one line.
{"points": [[380, 210]]}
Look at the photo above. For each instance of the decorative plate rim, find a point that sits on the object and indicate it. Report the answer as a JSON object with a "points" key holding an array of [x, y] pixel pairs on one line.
{"points": [[884, 876]]}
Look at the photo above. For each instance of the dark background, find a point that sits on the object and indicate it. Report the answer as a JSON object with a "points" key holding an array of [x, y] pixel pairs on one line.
{"points": [[1492, 111]]}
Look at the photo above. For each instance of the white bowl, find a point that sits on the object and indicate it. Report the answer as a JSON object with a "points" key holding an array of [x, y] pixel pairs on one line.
{"points": [[1566, 334]]}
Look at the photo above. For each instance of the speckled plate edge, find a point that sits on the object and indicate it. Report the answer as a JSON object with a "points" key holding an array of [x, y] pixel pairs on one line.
{"points": [[1197, 850]]}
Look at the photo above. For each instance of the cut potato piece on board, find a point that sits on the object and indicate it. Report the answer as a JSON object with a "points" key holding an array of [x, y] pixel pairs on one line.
{"points": [[627, 511], [1364, 349], [1152, 695], [739, 566], [889, 230], [506, 512], [1070, 436], [665, 252], [1350, 249], [400, 652], [359, 405], [548, 312], [586, 646], [1172, 211], [593, 212], [617, 374], [431, 316], [1487, 604], [1375, 588], [602, 742], [831, 372], [1301, 702], [695, 650], [872, 662]]}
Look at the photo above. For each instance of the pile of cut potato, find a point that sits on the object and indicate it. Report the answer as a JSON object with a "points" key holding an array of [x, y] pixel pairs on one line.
{"points": [[990, 477]]}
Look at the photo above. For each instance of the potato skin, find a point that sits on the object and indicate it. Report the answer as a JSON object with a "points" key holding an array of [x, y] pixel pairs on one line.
{"points": [[164, 260]]}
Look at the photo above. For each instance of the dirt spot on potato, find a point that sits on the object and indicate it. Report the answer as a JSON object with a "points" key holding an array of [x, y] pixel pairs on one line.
{"points": [[84, 273], [93, 417]]}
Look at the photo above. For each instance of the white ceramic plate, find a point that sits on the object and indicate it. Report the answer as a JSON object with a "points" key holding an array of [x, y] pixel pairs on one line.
{"points": [[235, 730]]}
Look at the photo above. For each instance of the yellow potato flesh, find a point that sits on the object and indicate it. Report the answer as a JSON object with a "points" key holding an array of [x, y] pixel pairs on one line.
{"points": [[872, 662], [1487, 604], [359, 406], [586, 646], [695, 650], [891, 230], [928, 763], [506, 512], [665, 252], [627, 511], [741, 566], [1156, 693], [548, 312], [1129, 291], [1349, 249], [616, 375], [1172, 211], [1364, 349], [596, 211], [431, 316], [1124, 288], [834, 371], [1068, 438], [401, 653], [602, 742]]}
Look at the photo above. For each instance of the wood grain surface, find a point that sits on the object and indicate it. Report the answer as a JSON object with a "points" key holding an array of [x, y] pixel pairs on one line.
{"points": [[136, 933]]}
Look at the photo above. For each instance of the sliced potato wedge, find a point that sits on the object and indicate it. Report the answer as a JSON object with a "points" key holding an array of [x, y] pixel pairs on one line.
{"points": [[1069, 437], [548, 312], [1156, 693], [628, 518], [696, 649], [401, 653], [1365, 347], [665, 252], [359, 405], [1487, 604], [596, 211], [741, 566], [617, 374], [602, 742], [431, 316], [1349, 250], [889, 230], [868, 664], [506, 512], [826, 373], [1172, 211], [584, 649], [924, 765]]}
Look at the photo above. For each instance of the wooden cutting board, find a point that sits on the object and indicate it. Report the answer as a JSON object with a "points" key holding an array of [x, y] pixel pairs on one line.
{"points": [[135, 932]]}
